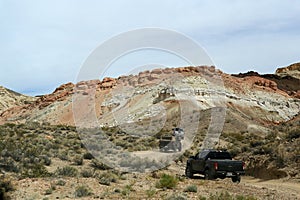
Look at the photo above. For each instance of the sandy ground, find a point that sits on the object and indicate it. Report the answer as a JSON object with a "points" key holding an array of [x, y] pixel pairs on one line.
{"points": [[281, 189]]}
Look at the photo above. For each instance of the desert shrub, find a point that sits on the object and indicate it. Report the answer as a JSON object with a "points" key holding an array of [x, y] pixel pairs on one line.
{"points": [[150, 193], [35, 171], [117, 190], [122, 143], [87, 173], [268, 149], [191, 188], [127, 189], [82, 191], [258, 151], [5, 186], [234, 151], [99, 165], [107, 178], [61, 182], [45, 160], [63, 155], [10, 125], [241, 197], [10, 165], [88, 156], [48, 191], [33, 125], [294, 134], [125, 192], [140, 147], [235, 136], [105, 181], [256, 143], [221, 196], [67, 171], [167, 181], [78, 160], [244, 148], [31, 151], [181, 178], [272, 136]]}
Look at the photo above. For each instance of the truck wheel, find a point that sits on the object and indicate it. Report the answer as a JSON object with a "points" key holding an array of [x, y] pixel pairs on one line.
{"points": [[207, 175], [188, 172], [179, 147], [236, 179], [173, 147]]}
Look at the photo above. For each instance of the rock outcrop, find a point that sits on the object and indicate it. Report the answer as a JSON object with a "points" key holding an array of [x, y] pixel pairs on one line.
{"points": [[292, 70]]}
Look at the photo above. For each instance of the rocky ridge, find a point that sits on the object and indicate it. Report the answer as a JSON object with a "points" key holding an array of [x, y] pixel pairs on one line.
{"points": [[260, 97]]}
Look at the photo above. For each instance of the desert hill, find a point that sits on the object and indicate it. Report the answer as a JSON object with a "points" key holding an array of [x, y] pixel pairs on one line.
{"points": [[9, 99], [255, 117]]}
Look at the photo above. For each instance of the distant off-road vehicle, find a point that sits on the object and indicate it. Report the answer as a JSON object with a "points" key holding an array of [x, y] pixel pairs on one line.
{"points": [[172, 142], [215, 164]]}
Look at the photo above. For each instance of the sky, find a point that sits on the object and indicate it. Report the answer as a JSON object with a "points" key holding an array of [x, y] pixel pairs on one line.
{"points": [[44, 44]]}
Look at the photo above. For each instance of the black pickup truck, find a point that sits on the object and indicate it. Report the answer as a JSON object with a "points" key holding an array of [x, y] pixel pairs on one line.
{"points": [[214, 164]]}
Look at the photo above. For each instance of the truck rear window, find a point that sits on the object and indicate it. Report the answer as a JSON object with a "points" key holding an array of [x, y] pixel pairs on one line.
{"points": [[219, 155]]}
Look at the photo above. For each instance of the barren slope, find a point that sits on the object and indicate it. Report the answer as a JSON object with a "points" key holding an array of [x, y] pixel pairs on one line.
{"points": [[9, 99]]}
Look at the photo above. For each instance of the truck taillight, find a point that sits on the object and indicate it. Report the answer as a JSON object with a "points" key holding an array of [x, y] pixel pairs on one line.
{"points": [[216, 165], [244, 165]]}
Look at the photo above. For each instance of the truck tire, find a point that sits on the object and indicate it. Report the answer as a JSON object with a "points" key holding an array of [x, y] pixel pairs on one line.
{"points": [[207, 175], [179, 146], [188, 172], [171, 146], [236, 179]]}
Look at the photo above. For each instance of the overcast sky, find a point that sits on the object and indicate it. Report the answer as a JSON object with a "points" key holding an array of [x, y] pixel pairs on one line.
{"points": [[44, 43]]}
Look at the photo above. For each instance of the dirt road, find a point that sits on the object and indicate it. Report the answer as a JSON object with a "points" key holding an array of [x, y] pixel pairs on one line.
{"points": [[268, 189], [284, 186]]}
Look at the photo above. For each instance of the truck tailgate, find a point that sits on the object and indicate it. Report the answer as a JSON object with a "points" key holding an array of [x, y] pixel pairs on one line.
{"points": [[229, 165]]}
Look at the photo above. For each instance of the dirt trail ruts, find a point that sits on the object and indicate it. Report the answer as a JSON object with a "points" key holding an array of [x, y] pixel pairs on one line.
{"points": [[284, 186], [157, 155], [262, 189]]}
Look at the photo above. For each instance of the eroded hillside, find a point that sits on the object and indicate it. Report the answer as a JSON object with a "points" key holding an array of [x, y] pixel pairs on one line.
{"points": [[265, 98], [255, 117]]}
